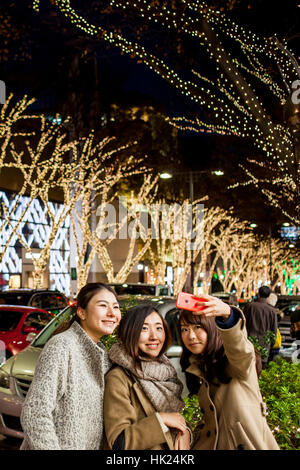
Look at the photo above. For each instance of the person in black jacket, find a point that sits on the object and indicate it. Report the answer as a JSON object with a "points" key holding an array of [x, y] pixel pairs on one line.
{"points": [[261, 318]]}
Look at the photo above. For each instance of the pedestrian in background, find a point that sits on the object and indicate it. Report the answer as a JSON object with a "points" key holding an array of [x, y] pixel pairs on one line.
{"points": [[261, 318], [220, 367], [142, 401], [63, 409], [295, 325]]}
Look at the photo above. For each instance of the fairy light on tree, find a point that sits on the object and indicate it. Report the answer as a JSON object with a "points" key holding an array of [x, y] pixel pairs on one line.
{"points": [[47, 161], [41, 176], [137, 236], [288, 273], [250, 73], [39, 156], [96, 197]]}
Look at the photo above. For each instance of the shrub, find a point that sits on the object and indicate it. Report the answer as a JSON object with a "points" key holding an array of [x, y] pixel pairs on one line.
{"points": [[191, 412], [280, 388], [263, 345]]}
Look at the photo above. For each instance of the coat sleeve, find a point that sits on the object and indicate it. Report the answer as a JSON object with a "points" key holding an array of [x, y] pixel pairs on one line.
{"points": [[120, 416], [45, 391], [239, 350]]}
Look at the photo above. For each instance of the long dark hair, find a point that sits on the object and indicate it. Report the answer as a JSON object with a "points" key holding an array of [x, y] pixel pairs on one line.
{"points": [[131, 326], [213, 361], [83, 297]]}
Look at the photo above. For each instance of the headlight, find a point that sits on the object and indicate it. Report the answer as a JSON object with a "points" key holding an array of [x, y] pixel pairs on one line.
{"points": [[4, 379]]}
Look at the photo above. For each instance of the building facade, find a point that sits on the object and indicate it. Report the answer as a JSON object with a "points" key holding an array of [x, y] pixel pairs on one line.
{"points": [[33, 225]]}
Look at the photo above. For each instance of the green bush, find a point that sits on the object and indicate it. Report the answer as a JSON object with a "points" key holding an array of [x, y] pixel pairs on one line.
{"points": [[191, 412], [280, 388], [263, 345]]}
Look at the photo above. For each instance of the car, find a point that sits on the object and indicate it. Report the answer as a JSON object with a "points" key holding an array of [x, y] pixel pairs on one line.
{"points": [[287, 304], [18, 326], [141, 289], [16, 373], [284, 301], [46, 299], [226, 297]]}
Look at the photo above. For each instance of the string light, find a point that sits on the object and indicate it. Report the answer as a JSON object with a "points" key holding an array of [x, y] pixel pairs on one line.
{"points": [[231, 99], [80, 170]]}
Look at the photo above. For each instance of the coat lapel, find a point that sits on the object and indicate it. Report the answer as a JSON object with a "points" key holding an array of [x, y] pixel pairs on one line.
{"points": [[149, 410]]}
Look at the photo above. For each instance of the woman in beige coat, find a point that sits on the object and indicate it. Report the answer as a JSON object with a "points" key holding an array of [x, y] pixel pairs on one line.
{"points": [[220, 366], [142, 399]]}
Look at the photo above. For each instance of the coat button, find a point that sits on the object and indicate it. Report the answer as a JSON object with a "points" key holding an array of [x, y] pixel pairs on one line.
{"points": [[240, 447], [211, 408], [208, 433], [202, 410]]}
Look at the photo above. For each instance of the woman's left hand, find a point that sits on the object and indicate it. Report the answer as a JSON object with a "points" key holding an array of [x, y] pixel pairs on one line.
{"points": [[214, 307], [183, 441]]}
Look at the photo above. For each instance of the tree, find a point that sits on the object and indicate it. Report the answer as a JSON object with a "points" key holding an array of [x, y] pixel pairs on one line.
{"points": [[248, 77], [215, 219], [98, 187], [38, 150], [48, 160], [40, 176], [135, 221]]}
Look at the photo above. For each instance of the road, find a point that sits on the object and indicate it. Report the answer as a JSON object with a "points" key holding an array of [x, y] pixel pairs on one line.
{"points": [[9, 443]]}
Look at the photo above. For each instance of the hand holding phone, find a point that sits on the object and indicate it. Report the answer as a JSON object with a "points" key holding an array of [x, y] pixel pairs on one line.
{"points": [[187, 301]]}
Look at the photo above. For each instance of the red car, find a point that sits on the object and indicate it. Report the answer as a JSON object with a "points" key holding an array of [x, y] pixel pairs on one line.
{"points": [[15, 325]]}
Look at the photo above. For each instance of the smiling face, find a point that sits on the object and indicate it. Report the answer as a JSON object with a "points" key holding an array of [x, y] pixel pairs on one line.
{"points": [[194, 337], [152, 336], [101, 316]]}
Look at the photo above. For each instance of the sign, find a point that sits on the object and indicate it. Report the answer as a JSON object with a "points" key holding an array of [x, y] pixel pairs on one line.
{"points": [[290, 233]]}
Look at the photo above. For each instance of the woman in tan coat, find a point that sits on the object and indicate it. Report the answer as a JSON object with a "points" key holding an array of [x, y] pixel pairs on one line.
{"points": [[220, 366], [142, 400]]}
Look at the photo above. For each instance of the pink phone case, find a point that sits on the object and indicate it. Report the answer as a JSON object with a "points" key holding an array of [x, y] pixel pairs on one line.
{"points": [[189, 302]]}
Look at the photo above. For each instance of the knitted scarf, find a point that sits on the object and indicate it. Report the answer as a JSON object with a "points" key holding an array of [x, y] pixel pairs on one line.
{"points": [[157, 378]]}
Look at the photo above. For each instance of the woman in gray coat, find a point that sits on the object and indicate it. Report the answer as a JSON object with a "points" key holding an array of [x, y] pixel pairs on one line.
{"points": [[64, 405]]}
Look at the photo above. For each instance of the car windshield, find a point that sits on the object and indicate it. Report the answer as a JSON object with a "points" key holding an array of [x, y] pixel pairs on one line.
{"points": [[290, 308], [47, 332], [163, 291], [134, 290], [9, 320], [14, 298]]}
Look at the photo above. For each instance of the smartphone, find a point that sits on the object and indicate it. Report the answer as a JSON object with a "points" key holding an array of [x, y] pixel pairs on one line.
{"points": [[189, 302]]}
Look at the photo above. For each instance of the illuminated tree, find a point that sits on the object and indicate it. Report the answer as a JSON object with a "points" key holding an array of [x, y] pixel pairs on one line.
{"points": [[80, 171], [98, 186], [160, 248], [249, 77], [182, 227], [215, 218], [40, 177], [12, 116], [135, 221], [40, 156], [288, 272]]}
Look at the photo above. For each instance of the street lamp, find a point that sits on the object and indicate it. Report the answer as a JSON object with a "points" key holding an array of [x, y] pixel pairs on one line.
{"points": [[165, 176], [191, 177]]}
